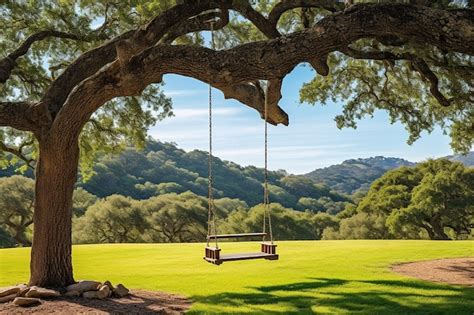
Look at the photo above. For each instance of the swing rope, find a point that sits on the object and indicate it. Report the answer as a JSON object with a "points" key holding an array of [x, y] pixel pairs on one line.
{"points": [[211, 219], [266, 194]]}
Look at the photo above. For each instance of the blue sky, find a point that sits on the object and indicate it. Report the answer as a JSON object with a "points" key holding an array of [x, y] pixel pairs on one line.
{"points": [[311, 141]]}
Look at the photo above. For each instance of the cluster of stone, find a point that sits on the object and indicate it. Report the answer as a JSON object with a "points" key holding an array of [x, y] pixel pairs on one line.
{"points": [[96, 290], [23, 295]]}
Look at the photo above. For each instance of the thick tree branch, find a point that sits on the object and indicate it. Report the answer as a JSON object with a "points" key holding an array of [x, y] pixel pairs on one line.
{"points": [[286, 5], [419, 65], [374, 54], [422, 67], [253, 96], [448, 30], [199, 23], [257, 19], [92, 61], [24, 116], [8, 63], [266, 60]]}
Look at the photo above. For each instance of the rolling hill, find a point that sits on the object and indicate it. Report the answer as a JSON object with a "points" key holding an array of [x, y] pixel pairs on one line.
{"points": [[163, 167], [354, 174]]}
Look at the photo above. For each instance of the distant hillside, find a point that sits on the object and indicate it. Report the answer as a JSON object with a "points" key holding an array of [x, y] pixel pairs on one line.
{"points": [[352, 175], [467, 159], [355, 174], [163, 168]]}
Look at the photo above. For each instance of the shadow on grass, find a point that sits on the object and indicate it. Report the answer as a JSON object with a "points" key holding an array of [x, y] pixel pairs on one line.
{"points": [[323, 295], [140, 302]]}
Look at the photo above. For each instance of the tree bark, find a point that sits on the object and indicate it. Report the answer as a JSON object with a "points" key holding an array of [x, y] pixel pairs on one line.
{"points": [[51, 263]]}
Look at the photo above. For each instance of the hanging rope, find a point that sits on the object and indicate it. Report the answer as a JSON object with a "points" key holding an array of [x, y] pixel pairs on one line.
{"points": [[266, 194], [211, 219]]}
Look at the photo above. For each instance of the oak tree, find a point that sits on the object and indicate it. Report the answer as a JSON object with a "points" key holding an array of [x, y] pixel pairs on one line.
{"points": [[443, 200], [71, 74], [115, 219]]}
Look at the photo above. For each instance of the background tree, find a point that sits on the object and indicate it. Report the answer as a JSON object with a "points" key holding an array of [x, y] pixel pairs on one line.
{"points": [[432, 199], [5, 239], [359, 226], [68, 75], [310, 204], [16, 207], [116, 219], [322, 221], [443, 199], [287, 223], [81, 200], [177, 218]]}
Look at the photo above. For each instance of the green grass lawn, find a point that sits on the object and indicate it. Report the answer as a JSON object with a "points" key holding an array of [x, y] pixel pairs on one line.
{"points": [[338, 277]]}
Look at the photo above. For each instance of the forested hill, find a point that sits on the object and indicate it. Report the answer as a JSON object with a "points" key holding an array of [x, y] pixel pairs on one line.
{"points": [[352, 175], [355, 174], [163, 168]]}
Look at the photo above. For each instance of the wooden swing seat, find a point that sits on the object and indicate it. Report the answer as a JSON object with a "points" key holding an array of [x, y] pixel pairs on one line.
{"points": [[240, 235], [268, 252]]}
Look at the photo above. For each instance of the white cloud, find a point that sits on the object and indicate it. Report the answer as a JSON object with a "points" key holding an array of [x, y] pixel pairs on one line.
{"points": [[286, 152], [197, 113], [187, 92]]}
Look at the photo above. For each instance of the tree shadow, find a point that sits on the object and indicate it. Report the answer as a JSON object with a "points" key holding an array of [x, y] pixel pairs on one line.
{"points": [[140, 302], [325, 295], [465, 271]]}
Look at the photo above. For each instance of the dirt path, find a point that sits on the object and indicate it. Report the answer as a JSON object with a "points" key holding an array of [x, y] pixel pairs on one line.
{"points": [[452, 271], [140, 302]]}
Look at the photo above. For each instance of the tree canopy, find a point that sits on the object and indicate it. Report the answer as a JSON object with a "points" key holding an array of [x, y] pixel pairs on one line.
{"points": [[16, 207], [434, 198], [426, 81]]}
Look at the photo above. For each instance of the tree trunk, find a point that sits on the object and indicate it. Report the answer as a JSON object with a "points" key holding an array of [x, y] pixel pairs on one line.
{"points": [[431, 234], [21, 238], [438, 228], [440, 234], [51, 263]]}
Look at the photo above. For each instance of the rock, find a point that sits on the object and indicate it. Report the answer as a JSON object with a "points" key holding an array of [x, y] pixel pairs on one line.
{"points": [[10, 290], [121, 291], [25, 301], [90, 295], [37, 292], [84, 285], [72, 293], [8, 298], [23, 291], [109, 284], [105, 290], [111, 287], [103, 293]]}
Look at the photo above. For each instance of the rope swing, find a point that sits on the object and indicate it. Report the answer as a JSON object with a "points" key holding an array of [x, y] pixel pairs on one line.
{"points": [[268, 249], [211, 218]]}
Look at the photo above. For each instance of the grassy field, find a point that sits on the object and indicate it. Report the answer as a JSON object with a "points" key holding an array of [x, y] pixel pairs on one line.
{"points": [[310, 277]]}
